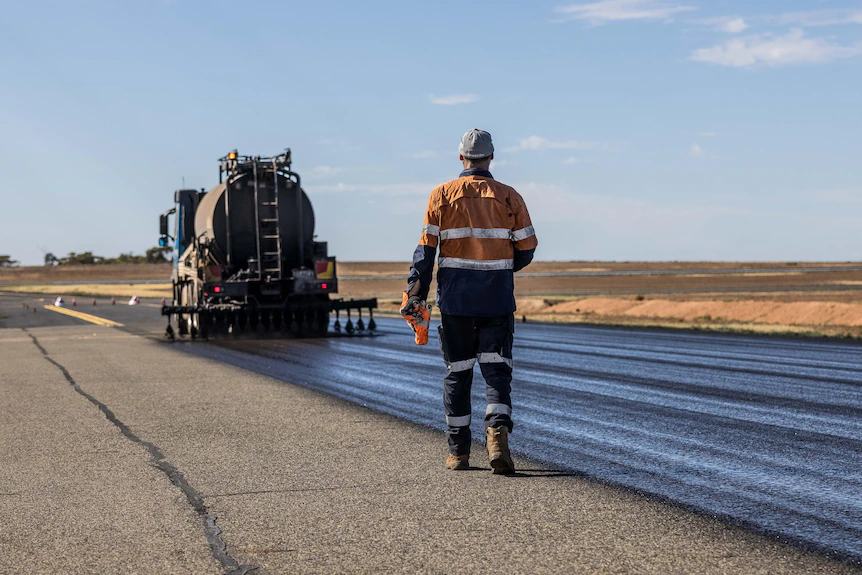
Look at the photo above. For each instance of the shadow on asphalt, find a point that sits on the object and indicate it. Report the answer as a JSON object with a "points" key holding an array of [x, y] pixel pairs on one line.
{"points": [[530, 473]]}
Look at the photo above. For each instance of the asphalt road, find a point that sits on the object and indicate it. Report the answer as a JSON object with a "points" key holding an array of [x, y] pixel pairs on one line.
{"points": [[26, 311], [762, 432]]}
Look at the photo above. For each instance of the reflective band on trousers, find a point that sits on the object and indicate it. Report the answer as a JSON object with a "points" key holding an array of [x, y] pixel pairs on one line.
{"points": [[485, 357], [523, 234], [431, 229], [484, 233], [463, 365], [458, 420], [485, 265], [498, 409]]}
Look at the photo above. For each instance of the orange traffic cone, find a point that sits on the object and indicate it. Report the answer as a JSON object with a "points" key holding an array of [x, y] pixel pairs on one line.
{"points": [[74, 302], [94, 301], [163, 301], [113, 301]]}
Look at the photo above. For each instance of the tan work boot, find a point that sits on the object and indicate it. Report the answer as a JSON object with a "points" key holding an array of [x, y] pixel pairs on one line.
{"points": [[458, 462], [497, 442]]}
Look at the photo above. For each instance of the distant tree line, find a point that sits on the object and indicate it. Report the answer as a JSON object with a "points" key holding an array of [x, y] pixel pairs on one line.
{"points": [[156, 255], [7, 262]]}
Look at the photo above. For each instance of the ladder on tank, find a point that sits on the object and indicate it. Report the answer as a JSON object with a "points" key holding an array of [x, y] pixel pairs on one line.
{"points": [[269, 234]]}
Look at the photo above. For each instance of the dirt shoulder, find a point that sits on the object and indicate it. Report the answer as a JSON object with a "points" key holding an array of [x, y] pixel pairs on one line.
{"points": [[812, 318]]}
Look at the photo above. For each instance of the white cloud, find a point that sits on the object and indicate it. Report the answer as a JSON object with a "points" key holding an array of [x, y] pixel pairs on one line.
{"points": [[733, 26], [422, 155], [696, 150], [811, 18], [820, 18], [454, 99], [540, 143], [388, 190], [572, 160], [341, 144], [330, 172], [323, 172], [605, 11], [728, 24], [707, 134], [770, 50], [845, 196]]}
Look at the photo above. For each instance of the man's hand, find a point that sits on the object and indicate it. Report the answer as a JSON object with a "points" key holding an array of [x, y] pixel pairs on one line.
{"points": [[410, 305], [417, 315]]}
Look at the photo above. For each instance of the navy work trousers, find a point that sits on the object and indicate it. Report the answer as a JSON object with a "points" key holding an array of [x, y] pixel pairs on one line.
{"points": [[464, 341]]}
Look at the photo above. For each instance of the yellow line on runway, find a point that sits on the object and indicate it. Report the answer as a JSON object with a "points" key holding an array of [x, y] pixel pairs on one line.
{"points": [[84, 316]]}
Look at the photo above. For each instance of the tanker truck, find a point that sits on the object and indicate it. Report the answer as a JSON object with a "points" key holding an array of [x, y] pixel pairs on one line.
{"points": [[246, 259]]}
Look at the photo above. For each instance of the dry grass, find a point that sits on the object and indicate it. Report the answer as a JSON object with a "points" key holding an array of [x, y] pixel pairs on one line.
{"points": [[97, 290], [96, 273]]}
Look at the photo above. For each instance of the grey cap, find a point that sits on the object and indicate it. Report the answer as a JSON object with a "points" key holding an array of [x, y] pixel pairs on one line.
{"points": [[476, 144]]}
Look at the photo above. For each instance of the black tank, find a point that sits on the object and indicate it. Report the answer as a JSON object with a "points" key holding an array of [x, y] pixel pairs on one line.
{"points": [[295, 222]]}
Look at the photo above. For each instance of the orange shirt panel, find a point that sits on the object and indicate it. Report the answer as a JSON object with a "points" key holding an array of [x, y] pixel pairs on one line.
{"points": [[477, 249]]}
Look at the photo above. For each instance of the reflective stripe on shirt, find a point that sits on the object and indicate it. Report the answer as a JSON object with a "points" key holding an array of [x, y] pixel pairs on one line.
{"points": [[431, 229], [523, 234], [484, 265], [483, 233]]}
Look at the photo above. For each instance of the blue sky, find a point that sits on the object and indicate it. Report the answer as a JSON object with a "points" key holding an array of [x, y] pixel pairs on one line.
{"points": [[635, 129]]}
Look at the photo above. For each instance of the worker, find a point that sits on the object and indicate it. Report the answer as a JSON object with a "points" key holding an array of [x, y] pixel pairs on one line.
{"points": [[484, 234]]}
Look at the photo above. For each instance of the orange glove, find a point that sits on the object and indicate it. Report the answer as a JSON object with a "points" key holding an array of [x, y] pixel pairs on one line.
{"points": [[417, 314]]}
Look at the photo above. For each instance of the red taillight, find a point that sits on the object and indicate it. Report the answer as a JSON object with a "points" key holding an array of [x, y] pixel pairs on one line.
{"points": [[323, 286], [206, 294], [217, 289]]}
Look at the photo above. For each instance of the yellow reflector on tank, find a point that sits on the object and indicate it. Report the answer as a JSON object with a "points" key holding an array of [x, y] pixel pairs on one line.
{"points": [[231, 156]]}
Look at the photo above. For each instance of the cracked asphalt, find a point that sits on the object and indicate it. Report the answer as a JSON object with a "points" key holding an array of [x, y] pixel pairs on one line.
{"points": [[270, 477]]}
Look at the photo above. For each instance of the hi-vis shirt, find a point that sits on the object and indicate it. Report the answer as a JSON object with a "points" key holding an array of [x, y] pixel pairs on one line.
{"points": [[484, 233]]}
